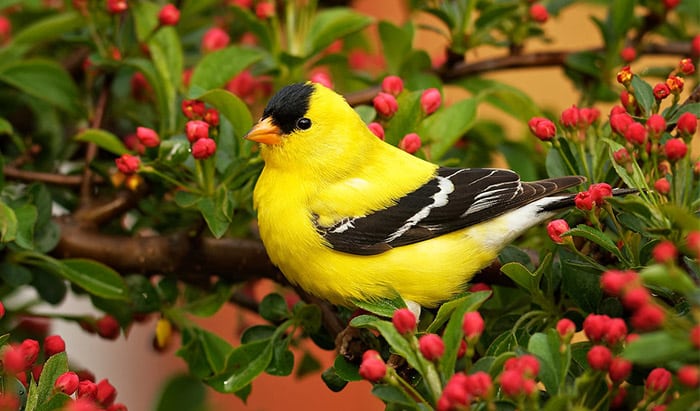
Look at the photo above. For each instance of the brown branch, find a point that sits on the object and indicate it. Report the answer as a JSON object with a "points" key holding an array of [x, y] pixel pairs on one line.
{"points": [[50, 178], [91, 151], [529, 60]]}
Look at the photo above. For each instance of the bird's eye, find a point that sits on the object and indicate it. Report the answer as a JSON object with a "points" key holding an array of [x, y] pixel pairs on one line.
{"points": [[303, 123]]}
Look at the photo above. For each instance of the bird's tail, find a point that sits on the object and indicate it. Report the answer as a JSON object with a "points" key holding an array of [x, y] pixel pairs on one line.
{"points": [[567, 200]]}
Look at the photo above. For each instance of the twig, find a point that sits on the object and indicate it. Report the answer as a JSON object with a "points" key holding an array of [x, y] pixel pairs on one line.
{"points": [[50, 178], [91, 151]]}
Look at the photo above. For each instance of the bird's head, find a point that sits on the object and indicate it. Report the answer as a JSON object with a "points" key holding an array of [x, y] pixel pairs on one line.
{"points": [[308, 126]]}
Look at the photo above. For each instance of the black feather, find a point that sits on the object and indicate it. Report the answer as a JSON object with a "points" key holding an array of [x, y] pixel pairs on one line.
{"points": [[289, 105]]}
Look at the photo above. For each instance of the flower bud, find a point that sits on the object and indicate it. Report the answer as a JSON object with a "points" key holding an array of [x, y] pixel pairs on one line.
{"points": [[512, 383], [628, 101], [410, 143], [695, 45], [13, 361], [106, 393], [648, 318], [392, 85], [404, 320], [689, 375], [538, 13], [54, 344], [456, 390], [376, 129], [556, 228], [658, 380], [656, 125], [169, 15], [67, 383], [671, 4], [636, 134], [595, 326], [264, 10], [616, 332], [430, 100], [675, 149], [620, 122], [695, 337], [196, 130], [675, 84], [479, 385], [2, 309], [589, 115], [613, 282], [323, 78], [372, 367], [543, 128], [687, 124], [203, 148], [599, 357], [662, 186], [600, 191], [385, 104], [584, 201], [211, 117], [117, 6], [566, 329], [5, 30], [570, 117], [624, 76], [193, 109], [214, 39], [431, 346], [472, 325], [622, 156], [628, 54], [664, 252], [661, 91], [127, 164], [692, 241], [108, 327], [686, 66], [619, 369], [148, 137]]}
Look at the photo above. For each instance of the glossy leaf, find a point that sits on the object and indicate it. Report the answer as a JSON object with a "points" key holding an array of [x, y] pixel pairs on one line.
{"points": [[332, 24], [384, 307], [231, 107], [96, 278], [597, 237], [183, 393], [103, 139], [48, 28], [218, 67], [656, 348], [445, 127], [244, 364]]}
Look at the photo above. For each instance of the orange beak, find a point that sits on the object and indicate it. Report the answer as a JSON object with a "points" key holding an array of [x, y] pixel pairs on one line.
{"points": [[265, 132]]}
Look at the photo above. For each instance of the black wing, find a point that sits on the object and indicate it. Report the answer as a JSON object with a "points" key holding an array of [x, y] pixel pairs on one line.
{"points": [[454, 199]]}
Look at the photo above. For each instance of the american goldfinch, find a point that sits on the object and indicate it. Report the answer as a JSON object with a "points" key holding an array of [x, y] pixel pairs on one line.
{"points": [[349, 217]]}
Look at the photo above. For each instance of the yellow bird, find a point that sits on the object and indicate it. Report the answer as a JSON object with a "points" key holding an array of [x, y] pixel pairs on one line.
{"points": [[348, 217]]}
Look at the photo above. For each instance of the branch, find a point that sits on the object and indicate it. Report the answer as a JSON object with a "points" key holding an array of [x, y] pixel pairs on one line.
{"points": [[529, 60], [50, 178]]}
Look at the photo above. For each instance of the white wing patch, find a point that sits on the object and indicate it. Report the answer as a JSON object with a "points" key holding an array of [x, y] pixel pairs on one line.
{"points": [[492, 195]]}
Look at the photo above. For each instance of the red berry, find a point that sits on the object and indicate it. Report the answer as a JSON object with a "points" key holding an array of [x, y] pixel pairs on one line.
{"points": [[543, 128], [619, 122], [430, 100], [323, 78], [67, 383], [695, 337], [431, 346], [659, 380], [628, 54], [473, 325], [692, 240], [619, 369], [404, 320], [392, 85], [410, 143], [117, 6], [614, 282], [169, 15], [203, 148], [106, 393], [648, 318], [599, 357], [385, 104], [215, 39], [108, 327], [54, 344], [512, 383], [148, 137], [538, 13], [5, 30], [264, 10], [566, 329], [665, 252], [595, 327], [479, 384], [636, 133], [556, 228], [636, 297], [656, 125]]}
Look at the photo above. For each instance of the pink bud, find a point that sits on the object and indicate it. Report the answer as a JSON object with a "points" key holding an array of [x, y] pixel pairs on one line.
{"points": [[148, 137], [372, 368], [54, 344], [687, 124], [169, 15], [472, 325], [106, 393], [431, 346], [566, 329], [659, 380], [538, 13], [215, 39], [556, 228], [675, 149], [392, 85], [117, 6], [662, 186], [385, 104], [664, 252], [376, 129], [410, 143], [196, 130], [203, 148], [67, 383], [430, 100], [543, 128], [628, 54], [404, 320], [599, 357], [127, 164], [636, 134]]}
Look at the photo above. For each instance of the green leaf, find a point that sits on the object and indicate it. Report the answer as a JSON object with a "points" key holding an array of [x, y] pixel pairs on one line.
{"points": [[208, 303], [671, 278], [142, 294], [244, 364], [398, 343], [467, 302], [273, 308], [182, 393], [552, 368], [282, 363], [391, 394], [218, 67], [309, 317], [103, 139], [520, 275], [307, 365], [643, 93], [657, 348], [56, 365], [634, 180], [214, 215], [596, 236], [396, 44], [26, 219], [580, 280], [405, 120], [162, 89], [51, 289], [333, 381], [48, 28], [8, 223], [448, 125], [216, 350], [231, 107], [15, 275], [166, 54], [96, 278], [331, 24], [509, 99], [346, 370], [384, 307], [45, 80]]}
